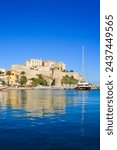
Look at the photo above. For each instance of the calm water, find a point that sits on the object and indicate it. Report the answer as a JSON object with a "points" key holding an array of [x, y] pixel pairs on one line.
{"points": [[49, 120]]}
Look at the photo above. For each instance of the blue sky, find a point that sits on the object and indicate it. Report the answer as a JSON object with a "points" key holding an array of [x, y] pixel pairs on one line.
{"points": [[52, 30]]}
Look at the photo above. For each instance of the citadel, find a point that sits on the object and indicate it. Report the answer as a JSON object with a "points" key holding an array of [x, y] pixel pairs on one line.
{"points": [[51, 71]]}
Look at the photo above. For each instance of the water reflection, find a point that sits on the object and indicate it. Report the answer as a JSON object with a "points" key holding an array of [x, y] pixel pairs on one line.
{"points": [[84, 96], [63, 119], [35, 102], [40, 103]]}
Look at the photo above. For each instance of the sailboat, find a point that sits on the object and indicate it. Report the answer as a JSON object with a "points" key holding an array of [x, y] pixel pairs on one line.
{"points": [[83, 85]]}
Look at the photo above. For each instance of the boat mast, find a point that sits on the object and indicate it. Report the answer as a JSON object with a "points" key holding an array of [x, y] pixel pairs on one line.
{"points": [[83, 62]]}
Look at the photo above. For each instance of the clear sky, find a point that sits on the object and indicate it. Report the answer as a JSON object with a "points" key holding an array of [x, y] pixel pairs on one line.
{"points": [[52, 30]]}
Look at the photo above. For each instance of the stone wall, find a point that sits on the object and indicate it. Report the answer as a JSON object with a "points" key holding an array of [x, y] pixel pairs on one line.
{"points": [[51, 71]]}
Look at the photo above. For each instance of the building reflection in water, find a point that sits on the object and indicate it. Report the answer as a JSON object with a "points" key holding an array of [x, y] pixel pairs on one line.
{"points": [[36, 103], [41, 103]]}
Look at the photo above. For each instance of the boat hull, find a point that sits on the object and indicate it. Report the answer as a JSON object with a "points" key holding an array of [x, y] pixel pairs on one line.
{"points": [[83, 88], [2, 88]]}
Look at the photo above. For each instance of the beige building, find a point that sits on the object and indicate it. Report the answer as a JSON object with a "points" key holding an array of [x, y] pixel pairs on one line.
{"points": [[33, 63], [12, 77], [44, 65], [51, 70]]}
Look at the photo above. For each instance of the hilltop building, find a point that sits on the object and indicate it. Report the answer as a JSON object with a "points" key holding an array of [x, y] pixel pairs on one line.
{"points": [[52, 71]]}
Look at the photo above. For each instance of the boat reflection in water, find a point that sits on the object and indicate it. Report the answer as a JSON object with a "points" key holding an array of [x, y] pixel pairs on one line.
{"points": [[84, 96]]}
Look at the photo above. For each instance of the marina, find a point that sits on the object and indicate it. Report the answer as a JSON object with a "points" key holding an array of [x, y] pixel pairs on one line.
{"points": [[49, 120], [50, 75]]}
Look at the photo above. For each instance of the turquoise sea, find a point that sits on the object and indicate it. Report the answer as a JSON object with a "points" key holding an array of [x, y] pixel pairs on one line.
{"points": [[49, 120]]}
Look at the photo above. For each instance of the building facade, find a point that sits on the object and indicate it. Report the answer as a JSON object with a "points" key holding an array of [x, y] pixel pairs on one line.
{"points": [[2, 75], [12, 77], [51, 70]]}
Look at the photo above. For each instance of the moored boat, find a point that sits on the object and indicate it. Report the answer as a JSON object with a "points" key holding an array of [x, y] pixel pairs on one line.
{"points": [[2, 87], [84, 86]]}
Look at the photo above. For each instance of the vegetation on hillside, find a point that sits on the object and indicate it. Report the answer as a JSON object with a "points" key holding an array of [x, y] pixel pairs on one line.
{"points": [[39, 81], [69, 80], [71, 71], [68, 71]]}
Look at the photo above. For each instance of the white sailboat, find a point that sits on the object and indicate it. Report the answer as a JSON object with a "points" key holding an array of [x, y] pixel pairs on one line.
{"points": [[83, 85]]}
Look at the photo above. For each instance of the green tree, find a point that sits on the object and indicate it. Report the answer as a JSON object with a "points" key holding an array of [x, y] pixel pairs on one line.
{"points": [[39, 80], [34, 81], [3, 82], [64, 70], [1, 79], [71, 71], [1, 73], [8, 73], [39, 76], [69, 80], [23, 81], [22, 73]]}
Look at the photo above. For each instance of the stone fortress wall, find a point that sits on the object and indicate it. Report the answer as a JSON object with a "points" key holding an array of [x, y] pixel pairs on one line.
{"points": [[51, 70]]}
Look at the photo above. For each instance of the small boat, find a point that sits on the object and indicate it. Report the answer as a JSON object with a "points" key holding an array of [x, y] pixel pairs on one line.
{"points": [[83, 85], [2, 87]]}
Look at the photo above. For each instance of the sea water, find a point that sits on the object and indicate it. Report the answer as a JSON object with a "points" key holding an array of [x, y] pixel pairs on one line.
{"points": [[49, 120]]}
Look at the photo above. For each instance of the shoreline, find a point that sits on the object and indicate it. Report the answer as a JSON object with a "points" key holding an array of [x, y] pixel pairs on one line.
{"points": [[45, 88], [39, 88]]}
